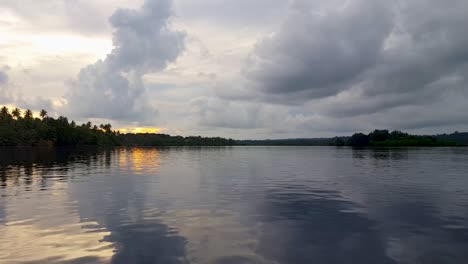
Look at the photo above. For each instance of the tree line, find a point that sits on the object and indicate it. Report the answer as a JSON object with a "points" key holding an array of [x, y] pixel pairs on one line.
{"points": [[22, 129], [384, 138]]}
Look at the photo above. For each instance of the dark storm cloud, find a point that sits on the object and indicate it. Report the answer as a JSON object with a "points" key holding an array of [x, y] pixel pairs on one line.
{"points": [[314, 56], [113, 88], [347, 66], [383, 55]]}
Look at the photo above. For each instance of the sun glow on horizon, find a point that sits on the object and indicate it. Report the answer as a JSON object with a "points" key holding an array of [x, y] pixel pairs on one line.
{"points": [[36, 113], [142, 130]]}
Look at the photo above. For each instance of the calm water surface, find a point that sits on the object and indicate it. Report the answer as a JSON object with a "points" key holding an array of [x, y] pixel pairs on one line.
{"points": [[234, 205]]}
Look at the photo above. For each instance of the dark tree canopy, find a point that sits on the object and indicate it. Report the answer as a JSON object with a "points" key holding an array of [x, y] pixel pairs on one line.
{"points": [[30, 131], [396, 138], [16, 130]]}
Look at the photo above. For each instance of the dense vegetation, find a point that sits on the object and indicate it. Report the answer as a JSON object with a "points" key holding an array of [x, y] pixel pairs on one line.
{"points": [[17, 129], [167, 140], [337, 141], [384, 138], [25, 130], [458, 137], [377, 138]]}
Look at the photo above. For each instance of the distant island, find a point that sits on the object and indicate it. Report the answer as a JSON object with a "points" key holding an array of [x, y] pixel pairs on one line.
{"points": [[17, 129]]}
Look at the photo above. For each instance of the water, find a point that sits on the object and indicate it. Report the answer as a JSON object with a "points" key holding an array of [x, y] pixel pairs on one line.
{"points": [[234, 205]]}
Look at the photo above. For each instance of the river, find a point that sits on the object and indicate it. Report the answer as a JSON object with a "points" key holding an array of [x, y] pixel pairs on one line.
{"points": [[234, 205]]}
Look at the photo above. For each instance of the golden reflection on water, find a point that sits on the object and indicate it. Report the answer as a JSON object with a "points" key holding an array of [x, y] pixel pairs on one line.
{"points": [[29, 243], [139, 160], [56, 234]]}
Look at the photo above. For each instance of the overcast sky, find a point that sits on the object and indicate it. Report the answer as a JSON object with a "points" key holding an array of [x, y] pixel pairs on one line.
{"points": [[240, 68]]}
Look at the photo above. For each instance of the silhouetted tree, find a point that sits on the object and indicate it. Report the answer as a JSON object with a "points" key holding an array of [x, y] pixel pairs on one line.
{"points": [[43, 114], [49, 131], [106, 127], [16, 113], [28, 115], [5, 114]]}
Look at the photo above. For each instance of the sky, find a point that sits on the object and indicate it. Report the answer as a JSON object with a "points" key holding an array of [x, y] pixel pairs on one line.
{"points": [[240, 68]]}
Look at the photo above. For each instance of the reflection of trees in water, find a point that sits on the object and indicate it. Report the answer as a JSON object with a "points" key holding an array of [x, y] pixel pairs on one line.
{"points": [[23, 166], [116, 205], [376, 153], [297, 224], [46, 229]]}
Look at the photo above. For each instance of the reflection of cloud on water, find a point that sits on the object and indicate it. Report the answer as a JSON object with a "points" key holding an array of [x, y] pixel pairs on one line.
{"points": [[418, 199], [317, 227], [241, 205], [158, 219], [42, 224], [147, 242], [117, 201], [56, 234], [416, 231], [77, 242], [216, 236]]}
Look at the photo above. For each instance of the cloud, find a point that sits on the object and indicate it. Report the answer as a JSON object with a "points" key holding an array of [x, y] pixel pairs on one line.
{"points": [[356, 65], [60, 15], [113, 88], [17, 99], [34, 103], [314, 55], [232, 12], [4, 91], [213, 112], [3, 78], [402, 48], [247, 69]]}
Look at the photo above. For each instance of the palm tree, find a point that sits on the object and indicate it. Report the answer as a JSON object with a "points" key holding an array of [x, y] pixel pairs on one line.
{"points": [[16, 113], [4, 113], [107, 127], [43, 114], [28, 114]]}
